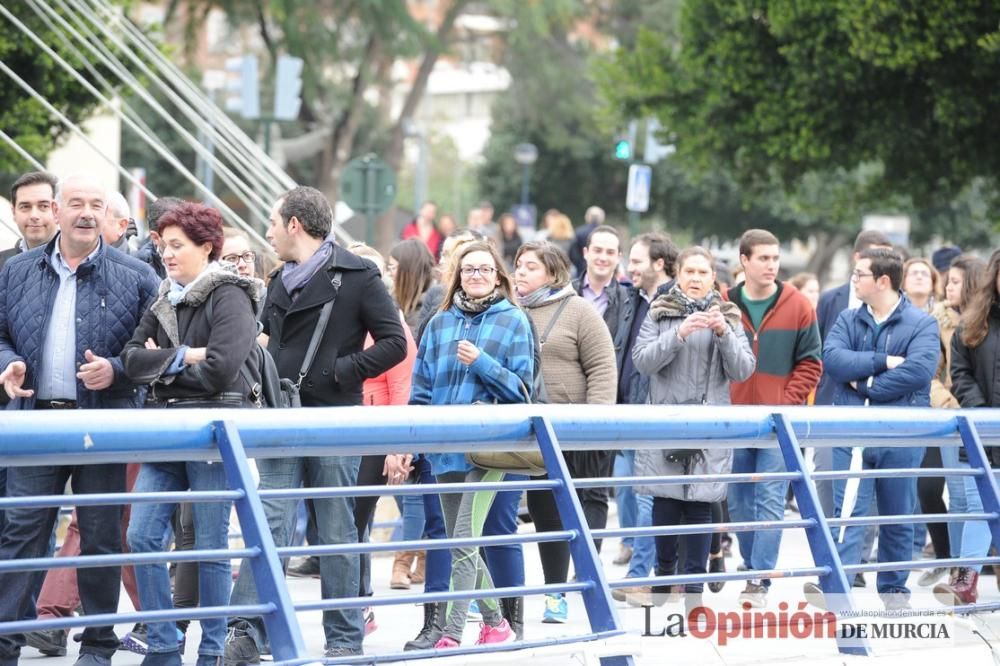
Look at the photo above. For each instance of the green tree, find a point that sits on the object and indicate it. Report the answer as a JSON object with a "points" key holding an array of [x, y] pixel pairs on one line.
{"points": [[22, 117], [789, 87]]}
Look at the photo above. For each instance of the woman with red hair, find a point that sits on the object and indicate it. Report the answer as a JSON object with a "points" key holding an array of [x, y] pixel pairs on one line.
{"points": [[194, 347]]}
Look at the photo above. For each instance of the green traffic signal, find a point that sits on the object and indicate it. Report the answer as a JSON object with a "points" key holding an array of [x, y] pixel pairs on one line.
{"points": [[623, 150]]}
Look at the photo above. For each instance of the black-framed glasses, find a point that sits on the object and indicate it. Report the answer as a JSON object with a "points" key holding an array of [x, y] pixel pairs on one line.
{"points": [[858, 275], [248, 257], [485, 271]]}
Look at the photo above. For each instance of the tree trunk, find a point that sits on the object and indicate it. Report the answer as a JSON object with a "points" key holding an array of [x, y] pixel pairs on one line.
{"points": [[386, 231], [828, 243], [345, 128]]}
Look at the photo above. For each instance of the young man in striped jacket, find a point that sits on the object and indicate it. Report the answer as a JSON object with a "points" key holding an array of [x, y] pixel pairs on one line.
{"points": [[781, 325]]}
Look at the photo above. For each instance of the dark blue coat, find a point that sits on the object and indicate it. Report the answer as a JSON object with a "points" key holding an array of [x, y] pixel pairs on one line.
{"points": [[831, 303], [113, 291], [856, 349]]}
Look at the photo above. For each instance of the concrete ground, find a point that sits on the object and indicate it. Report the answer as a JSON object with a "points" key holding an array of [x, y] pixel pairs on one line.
{"points": [[968, 641]]}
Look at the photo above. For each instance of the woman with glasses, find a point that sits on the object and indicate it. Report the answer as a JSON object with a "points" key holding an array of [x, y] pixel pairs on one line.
{"points": [[920, 283], [478, 348], [236, 250], [578, 361]]}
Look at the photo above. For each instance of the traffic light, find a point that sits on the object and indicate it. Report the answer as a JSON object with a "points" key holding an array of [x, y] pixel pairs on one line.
{"points": [[623, 150], [246, 101], [625, 142], [288, 88]]}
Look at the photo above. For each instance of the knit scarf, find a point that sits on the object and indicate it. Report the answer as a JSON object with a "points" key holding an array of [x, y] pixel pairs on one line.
{"points": [[295, 275], [675, 303], [476, 305], [543, 295]]}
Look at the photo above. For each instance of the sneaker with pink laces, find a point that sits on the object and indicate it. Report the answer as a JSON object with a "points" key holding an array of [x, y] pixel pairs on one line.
{"points": [[446, 642], [502, 633], [370, 623]]}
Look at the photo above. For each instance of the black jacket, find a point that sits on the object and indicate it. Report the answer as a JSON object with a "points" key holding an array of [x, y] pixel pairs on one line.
{"points": [[975, 381], [618, 316], [228, 335], [341, 365]]}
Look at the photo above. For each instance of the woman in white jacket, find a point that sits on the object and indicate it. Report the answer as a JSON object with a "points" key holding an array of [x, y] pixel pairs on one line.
{"points": [[691, 346]]}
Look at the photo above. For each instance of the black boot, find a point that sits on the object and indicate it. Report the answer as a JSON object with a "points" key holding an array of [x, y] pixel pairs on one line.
{"points": [[513, 611], [430, 633]]}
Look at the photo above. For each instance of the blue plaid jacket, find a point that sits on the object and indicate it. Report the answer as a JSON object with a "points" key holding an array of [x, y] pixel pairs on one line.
{"points": [[501, 374]]}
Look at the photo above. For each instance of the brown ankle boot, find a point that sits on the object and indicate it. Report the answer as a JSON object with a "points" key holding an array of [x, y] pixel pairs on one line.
{"points": [[401, 566], [962, 591], [419, 567]]}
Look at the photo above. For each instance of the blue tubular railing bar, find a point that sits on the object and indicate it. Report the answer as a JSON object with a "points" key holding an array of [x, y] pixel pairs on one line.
{"points": [[197, 435]]}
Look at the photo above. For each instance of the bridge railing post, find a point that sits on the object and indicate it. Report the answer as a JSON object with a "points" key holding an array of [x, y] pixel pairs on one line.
{"points": [[824, 550], [282, 625], [586, 561]]}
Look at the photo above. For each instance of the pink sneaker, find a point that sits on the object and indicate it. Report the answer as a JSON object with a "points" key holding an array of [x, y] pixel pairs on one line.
{"points": [[502, 633], [370, 623], [446, 642]]}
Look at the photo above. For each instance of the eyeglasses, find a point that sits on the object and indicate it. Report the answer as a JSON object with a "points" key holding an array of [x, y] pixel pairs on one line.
{"points": [[248, 257], [858, 275], [485, 271]]}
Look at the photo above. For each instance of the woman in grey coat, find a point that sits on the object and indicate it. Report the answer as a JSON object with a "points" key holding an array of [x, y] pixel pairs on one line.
{"points": [[691, 346]]}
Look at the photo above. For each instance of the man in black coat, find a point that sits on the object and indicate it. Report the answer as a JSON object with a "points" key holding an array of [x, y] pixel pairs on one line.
{"points": [[318, 271]]}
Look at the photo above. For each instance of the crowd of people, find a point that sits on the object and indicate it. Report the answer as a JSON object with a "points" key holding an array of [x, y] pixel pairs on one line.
{"points": [[92, 318]]}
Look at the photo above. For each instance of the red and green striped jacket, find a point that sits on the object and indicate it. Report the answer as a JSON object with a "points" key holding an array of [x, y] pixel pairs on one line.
{"points": [[787, 347]]}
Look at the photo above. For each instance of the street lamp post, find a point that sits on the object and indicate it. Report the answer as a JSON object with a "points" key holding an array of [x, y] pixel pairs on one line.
{"points": [[525, 154]]}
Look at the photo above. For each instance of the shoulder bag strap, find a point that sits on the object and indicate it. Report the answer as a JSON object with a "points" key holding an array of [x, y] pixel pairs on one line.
{"points": [[324, 318], [552, 322], [708, 369]]}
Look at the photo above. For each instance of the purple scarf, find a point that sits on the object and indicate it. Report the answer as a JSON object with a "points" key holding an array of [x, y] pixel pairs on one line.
{"points": [[295, 275]]}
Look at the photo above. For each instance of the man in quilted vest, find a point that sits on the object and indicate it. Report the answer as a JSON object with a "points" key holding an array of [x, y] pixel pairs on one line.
{"points": [[66, 311]]}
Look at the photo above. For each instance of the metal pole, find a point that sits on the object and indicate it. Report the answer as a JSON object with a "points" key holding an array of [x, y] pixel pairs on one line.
{"points": [[525, 184], [370, 204]]}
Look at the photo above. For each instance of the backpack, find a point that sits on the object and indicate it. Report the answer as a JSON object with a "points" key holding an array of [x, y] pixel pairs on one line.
{"points": [[270, 390]]}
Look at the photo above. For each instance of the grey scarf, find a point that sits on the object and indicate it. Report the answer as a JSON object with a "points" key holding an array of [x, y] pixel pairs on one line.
{"points": [[544, 295]]}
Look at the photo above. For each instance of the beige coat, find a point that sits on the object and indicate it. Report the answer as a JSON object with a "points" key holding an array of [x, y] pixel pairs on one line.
{"points": [[948, 320], [578, 357]]}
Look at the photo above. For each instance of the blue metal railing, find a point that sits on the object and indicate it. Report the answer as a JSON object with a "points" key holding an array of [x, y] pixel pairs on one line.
{"points": [[236, 435]]}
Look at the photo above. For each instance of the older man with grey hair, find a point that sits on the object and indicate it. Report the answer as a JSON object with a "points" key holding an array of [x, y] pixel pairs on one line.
{"points": [[116, 220], [67, 308]]}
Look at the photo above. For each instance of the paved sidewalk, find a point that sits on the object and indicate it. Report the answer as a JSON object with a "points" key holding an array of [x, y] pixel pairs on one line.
{"points": [[398, 624]]}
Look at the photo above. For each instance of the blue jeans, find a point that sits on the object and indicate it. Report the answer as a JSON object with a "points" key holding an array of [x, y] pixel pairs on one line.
{"points": [[643, 548], [27, 535], [411, 511], [628, 511], [957, 502], [506, 563], [148, 533], [3, 493], [894, 496], [634, 510], [758, 502], [339, 574], [438, 567], [976, 535]]}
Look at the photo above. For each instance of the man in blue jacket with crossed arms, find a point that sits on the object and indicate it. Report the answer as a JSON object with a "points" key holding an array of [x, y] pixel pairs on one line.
{"points": [[882, 353]]}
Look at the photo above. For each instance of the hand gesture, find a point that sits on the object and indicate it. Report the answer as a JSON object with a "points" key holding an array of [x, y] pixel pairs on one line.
{"points": [[397, 468], [695, 321], [13, 379], [893, 361], [151, 344], [97, 373], [716, 321], [467, 352]]}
